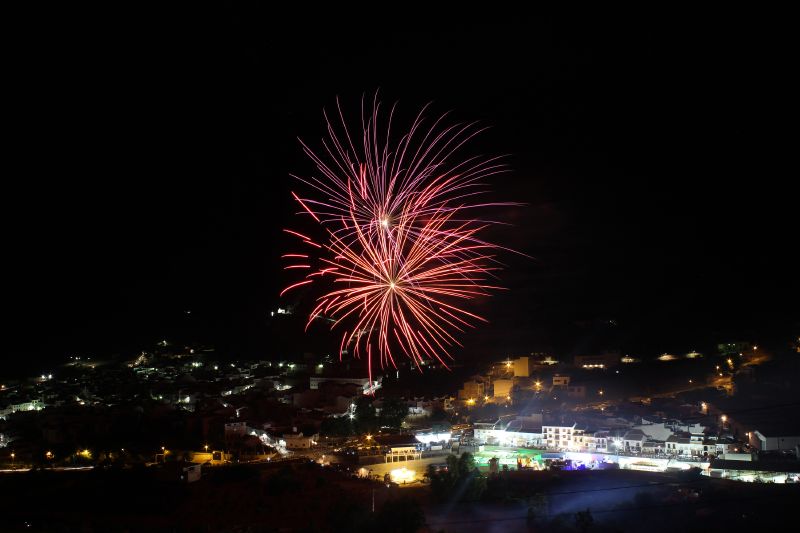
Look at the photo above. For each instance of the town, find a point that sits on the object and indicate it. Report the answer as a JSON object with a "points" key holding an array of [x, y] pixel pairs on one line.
{"points": [[728, 414]]}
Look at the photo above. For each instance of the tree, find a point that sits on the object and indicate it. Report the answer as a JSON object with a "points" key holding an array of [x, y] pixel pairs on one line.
{"points": [[340, 426], [365, 419], [393, 412], [462, 481], [439, 415]]}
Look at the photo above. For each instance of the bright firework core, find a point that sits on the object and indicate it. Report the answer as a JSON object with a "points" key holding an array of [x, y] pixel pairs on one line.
{"points": [[421, 188]]}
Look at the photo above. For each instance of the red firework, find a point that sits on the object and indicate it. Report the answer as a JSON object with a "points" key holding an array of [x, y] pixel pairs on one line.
{"points": [[401, 252]]}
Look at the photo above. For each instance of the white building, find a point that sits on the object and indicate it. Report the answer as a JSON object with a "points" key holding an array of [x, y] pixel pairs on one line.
{"points": [[297, 441], [403, 453], [33, 405], [558, 436], [523, 431], [633, 441], [693, 445], [586, 441], [773, 441]]}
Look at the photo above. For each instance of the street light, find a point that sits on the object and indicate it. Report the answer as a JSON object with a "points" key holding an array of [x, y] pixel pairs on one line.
{"points": [[206, 447]]}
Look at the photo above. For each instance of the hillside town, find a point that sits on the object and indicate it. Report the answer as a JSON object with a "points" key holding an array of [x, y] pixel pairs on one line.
{"points": [[728, 414]]}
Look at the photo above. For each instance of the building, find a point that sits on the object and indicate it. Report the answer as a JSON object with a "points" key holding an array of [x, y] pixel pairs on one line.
{"points": [[522, 431], [214, 458], [522, 367], [773, 441], [560, 381], [558, 436], [729, 349], [366, 386], [693, 445], [472, 390], [235, 429], [576, 391], [589, 441], [33, 405], [604, 360], [502, 388], [765, 471], [402, 453], [298, 441], [633, 441]]}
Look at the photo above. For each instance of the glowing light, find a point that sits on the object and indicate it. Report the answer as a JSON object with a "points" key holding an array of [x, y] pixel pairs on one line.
{"points": [[401, 250], [402, 475], [723, 418]]}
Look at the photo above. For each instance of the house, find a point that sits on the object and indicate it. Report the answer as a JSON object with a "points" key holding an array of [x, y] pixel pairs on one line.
{"points": [[767, 441], [521, 367], [576, 391], [767, 471], [693, 445], [297, 441], [502, 388], [633, 441], [653, 447], [521, 432], [472, 390], [558, 436], [604, 360]]}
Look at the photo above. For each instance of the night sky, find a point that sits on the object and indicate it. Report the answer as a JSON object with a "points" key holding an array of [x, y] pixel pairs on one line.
{"points": [[149, 156]]}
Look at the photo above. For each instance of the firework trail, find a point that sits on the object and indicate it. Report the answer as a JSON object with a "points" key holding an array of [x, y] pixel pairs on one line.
{"points": [[401, 252]]}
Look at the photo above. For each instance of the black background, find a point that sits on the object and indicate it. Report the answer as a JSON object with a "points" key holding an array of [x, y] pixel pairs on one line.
{"points": [[148, 156]]}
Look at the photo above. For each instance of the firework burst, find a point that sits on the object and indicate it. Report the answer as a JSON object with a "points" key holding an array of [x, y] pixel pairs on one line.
{"points": [[402, 253]]}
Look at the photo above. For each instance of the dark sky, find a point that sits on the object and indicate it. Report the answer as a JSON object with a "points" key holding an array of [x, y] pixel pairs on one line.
{"points": [[149, 153]]}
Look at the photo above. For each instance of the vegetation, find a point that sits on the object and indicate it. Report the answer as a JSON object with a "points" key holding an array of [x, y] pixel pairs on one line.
{"points": [[461, 481]]}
